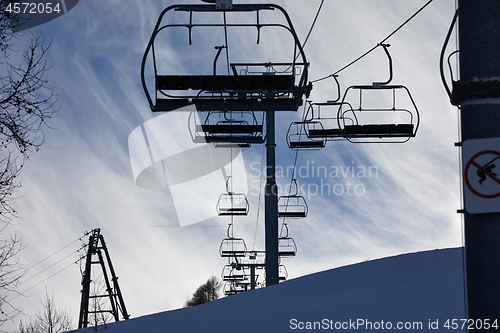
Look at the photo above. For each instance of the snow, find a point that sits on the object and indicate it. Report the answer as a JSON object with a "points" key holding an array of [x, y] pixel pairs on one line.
{"points": [[414, 289]]}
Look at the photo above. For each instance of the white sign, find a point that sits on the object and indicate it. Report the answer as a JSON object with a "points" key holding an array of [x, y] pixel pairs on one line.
{"points": [[481, 175]]}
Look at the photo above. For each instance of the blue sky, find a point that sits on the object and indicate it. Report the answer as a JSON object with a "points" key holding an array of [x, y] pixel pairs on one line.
{"points": [[82, 178]]}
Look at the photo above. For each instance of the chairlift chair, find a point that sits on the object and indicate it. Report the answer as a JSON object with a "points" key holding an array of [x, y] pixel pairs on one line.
{"points": [[286, 245], [282, 273], [234, 287], [227, 129], [389, 123], [297, 136], [232, 203], [232, 246], [332, 124], [232, 273], [292, 205], [258, 85]]}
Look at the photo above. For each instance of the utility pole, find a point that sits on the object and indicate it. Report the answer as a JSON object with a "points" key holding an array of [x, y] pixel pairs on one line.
{"points": [[478, 94]]}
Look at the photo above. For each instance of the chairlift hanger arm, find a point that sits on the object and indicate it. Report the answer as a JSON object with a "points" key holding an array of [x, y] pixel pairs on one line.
{"points": [[385, 47]]}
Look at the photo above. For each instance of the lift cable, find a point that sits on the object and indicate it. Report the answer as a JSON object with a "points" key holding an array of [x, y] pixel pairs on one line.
{"points": [[294, 168], [259, 199], [226, 41], [313, 23], [378, 44]]}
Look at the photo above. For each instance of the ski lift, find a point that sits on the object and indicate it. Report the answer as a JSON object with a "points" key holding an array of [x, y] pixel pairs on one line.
{"points": [[265, 84], [233, 288], [232, 246], [227, 129], [233, 272], [386, 113], [282, 273], [286, 245], [231, 203], [293, 205], [331, 128], [297, 136]]}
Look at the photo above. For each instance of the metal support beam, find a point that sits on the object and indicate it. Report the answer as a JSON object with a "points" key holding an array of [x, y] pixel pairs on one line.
{"points": [[271, 203], [96, 245], [479, 35]]}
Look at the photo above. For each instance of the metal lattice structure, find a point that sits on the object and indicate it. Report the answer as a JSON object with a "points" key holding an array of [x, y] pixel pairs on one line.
{"points": [[97, 254]]}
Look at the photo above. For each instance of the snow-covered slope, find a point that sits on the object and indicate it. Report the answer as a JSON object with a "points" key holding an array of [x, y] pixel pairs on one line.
{"points": [[410, 291]]}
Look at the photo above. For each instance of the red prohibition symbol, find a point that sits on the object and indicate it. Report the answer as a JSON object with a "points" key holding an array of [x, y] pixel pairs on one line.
{"points": [[483, 171]]}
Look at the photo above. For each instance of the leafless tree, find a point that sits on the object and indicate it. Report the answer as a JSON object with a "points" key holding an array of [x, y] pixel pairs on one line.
{"points": [[11, 273], [50, 320], [26, 103]]}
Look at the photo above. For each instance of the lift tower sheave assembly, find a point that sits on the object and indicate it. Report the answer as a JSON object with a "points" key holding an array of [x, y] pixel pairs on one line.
{"points": [[478, 94], [227, 97]]}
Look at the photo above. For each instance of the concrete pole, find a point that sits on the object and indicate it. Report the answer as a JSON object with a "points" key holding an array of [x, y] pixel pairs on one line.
{"points": [[479, 97]]}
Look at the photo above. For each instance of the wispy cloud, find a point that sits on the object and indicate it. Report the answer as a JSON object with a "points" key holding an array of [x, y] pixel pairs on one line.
{"points": [[82, 177]]}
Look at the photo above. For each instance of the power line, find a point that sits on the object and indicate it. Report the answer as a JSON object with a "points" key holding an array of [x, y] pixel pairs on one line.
{"points": [[46, 268], [373, 48], [78, 239]]}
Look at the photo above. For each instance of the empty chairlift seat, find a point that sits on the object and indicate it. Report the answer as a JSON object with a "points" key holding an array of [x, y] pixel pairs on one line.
{"points": [[332, 123], [292, 205], [256, 81], [282, 273], [233, 273], [298, 136], [286, 247], [241, 128], [384, 113], [232, 204], [395, 121], [233, 247]]}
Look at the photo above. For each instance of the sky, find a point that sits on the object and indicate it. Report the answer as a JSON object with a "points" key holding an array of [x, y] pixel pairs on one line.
{"points": [[82, 178]]}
